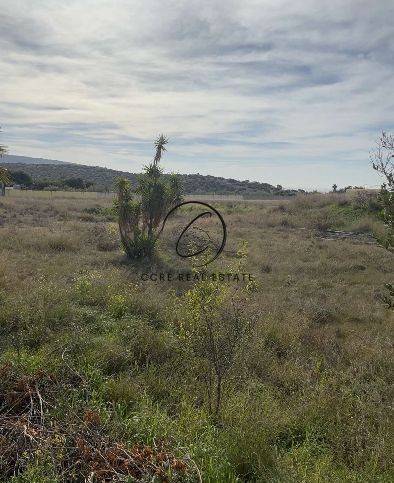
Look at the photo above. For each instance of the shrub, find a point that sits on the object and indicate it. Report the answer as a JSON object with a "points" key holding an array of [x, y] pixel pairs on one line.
{"points": [[91, 289], [387, 295], [213, 327], [117, 306], [62, 243], [122, 390]]}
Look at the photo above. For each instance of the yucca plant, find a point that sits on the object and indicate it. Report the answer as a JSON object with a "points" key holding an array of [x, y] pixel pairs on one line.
{"points": [[141, 212]]}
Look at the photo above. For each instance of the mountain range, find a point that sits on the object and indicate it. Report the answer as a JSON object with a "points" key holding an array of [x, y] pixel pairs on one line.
{"points": [[13, 159]]}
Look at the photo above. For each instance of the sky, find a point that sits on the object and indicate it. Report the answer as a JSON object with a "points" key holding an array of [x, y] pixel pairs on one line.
{"points": [[286, 92]]}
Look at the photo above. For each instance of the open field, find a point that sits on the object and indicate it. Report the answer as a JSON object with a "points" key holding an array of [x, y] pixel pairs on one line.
{"points": [[102, 377], [47, 194], [98, 195]]}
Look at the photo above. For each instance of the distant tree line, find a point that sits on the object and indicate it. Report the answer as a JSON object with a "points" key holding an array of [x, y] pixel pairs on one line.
{"points": [[335, 188], [24, 180], [4, 176], [103, 179], [193, 184]]}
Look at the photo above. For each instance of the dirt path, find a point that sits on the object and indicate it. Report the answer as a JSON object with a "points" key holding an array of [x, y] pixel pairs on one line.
{"points": [[348, 235]]}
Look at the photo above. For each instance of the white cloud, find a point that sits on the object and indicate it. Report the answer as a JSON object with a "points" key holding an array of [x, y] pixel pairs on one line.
{"points": [[287, 92]]}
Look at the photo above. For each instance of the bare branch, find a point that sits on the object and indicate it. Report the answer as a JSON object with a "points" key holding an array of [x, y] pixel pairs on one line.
{"points": [[382, 158]]}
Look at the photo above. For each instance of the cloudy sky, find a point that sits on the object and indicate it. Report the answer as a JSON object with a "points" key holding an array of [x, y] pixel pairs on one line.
{"points": [[288, 92]]}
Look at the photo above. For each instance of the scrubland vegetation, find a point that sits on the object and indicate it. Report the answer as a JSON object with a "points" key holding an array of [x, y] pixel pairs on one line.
{"points": [[96, 178], [105, 377]]}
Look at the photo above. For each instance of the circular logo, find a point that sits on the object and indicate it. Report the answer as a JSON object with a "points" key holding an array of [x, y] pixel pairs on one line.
{"points": [[197, 239]]}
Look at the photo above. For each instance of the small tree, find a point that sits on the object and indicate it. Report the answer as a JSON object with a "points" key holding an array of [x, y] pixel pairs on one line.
{"points": [[334, 188], [141, 213], [214, 324], [22, 178], [76, 183], [382, 159], [214, 331]]}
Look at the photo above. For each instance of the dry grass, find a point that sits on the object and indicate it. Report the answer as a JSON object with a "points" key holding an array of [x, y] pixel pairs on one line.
{"points": [[309, 398]]}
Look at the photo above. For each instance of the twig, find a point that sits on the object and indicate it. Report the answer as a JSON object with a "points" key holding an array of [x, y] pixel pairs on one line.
{"points": [[41, 404]]}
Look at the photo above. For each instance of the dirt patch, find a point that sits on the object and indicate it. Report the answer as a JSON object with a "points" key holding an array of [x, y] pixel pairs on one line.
{"points": [[365, 238]]}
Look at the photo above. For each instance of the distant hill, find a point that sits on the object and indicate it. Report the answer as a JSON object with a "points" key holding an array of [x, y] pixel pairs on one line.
{"points": [[103, 178], [11, 158]]}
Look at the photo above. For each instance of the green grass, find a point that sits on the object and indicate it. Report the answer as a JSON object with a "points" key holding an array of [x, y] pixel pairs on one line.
{"points": [[307, 397]]}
